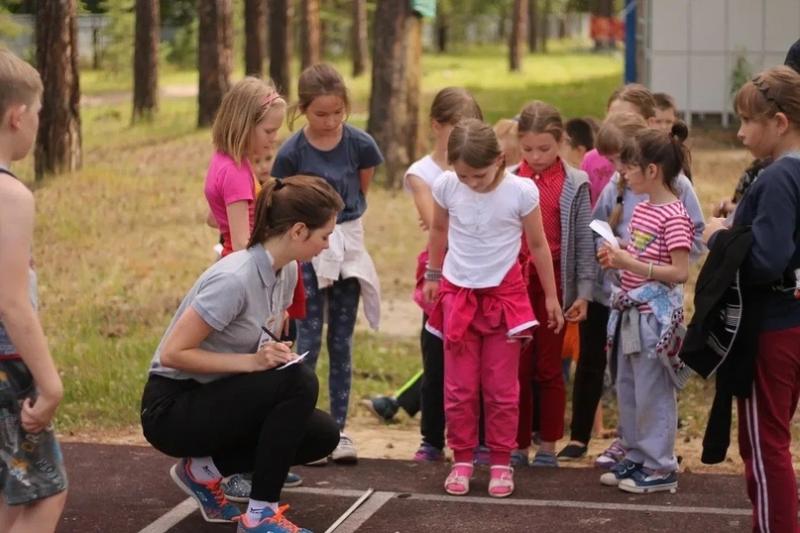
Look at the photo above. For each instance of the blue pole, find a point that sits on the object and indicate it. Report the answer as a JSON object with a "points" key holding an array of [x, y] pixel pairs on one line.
{"points": [[630, 41]]}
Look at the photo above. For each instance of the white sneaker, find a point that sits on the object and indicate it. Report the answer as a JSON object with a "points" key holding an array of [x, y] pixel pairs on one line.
{"points": [[345, 451]]}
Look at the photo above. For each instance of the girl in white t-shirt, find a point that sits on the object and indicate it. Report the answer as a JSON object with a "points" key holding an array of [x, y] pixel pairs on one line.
{"points": [[480, 303], [449, 106]]}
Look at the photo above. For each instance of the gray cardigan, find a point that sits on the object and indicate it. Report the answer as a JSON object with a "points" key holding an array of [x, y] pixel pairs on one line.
{"points": [[578, 263]]}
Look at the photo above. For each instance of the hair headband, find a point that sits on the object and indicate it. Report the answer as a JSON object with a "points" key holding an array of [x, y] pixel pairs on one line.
{"points": [[270, 99]]}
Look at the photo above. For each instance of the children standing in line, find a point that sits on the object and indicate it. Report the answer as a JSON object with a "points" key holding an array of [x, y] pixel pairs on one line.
{"points": [[346, 158], [481, 306], [769, 108], [632, 98], [647, 311], [578, 141], [506, 131], [666, 111], [565, 209], [615, 205], [32, 478]]}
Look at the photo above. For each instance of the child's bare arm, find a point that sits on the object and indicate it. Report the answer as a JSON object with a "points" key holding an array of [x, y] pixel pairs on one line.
{"points": [[16, 310], [365, 176], [239, 224], [423, 199], [211, 221], [677, 272], [543, 261], [437, 244]]}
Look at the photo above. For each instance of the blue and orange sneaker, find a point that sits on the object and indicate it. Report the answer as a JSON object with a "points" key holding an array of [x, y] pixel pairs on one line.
{"points": [[271, 522], [214, 506]]}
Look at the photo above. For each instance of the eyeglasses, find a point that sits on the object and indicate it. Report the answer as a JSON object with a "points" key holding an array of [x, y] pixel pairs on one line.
{"points": [[760, 84]]}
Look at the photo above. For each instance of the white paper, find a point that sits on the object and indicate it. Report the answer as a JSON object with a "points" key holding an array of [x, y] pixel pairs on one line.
{"points": [[299, 359], [602, 228]]}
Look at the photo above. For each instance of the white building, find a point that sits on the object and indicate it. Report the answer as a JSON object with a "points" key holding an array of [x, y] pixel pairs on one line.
{"points": [[690, 48]]}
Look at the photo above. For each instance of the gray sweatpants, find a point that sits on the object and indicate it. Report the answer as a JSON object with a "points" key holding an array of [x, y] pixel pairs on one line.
{"points": [[648, 408]]}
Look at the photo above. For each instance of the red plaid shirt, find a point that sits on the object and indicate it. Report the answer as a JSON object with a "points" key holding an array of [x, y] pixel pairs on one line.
{"points": [[550, 183]]}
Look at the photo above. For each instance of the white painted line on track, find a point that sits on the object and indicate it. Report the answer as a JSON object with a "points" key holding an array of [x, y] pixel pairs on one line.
{"points": [[600, 506], [363, 513], [380, 498], [576, 504], [172, 517]]}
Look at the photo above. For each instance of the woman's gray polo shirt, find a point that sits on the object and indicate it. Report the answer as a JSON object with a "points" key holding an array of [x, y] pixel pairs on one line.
{"points": [[235, 296]]}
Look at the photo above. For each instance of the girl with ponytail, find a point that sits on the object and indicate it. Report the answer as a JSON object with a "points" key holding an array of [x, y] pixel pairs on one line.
{"points": [[218, 396], [648, 305]]}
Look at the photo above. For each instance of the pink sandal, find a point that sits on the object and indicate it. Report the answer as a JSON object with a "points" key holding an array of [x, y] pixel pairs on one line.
{"points": [[457, 482], [501, 481]]}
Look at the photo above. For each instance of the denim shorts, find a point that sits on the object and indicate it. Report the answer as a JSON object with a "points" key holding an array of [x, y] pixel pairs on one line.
{"points": [[31, 464]]}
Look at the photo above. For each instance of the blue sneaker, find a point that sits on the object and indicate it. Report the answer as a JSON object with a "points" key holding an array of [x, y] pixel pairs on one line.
{"points": [[214, 506], [545, 459], [270, 522], [519, 458], [292, 480], [622, 470], [427, 453], [237, 487], [644, 481], [384, 407]]}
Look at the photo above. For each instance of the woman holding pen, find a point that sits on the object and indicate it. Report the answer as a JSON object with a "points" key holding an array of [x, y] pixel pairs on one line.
{"points": [[220, 395]]}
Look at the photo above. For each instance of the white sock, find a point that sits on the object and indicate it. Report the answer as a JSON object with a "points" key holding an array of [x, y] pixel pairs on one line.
{"points": [[255, 508], [203, 469]]}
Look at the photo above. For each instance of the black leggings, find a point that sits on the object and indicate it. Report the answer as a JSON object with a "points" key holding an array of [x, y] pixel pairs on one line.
{"points": [[262, 422], [589, 373], [432, 423]]}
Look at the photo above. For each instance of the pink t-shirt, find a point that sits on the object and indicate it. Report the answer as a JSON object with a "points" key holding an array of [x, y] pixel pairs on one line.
{"points": [[599, 170], [226, 183], [656, 230]]}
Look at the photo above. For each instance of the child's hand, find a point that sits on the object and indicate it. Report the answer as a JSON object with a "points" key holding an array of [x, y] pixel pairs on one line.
{"points": [[555, 319], [37, 413], [723, 209], [610, 257], [429, 290], [713, 225], [577, 311]]}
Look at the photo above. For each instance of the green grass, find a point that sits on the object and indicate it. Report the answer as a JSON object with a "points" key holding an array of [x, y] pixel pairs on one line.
{"points": [[120, 242]]}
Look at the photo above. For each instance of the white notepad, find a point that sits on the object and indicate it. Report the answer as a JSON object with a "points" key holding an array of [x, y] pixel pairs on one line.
{"points": [[299, 359], [602, 228]]}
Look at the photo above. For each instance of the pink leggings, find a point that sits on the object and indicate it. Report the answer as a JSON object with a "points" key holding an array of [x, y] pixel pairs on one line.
{"points": [[484, 361]]}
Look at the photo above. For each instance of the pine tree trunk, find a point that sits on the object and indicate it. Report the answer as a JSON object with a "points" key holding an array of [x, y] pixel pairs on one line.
{"points": [[255, 31], [545, 27], [145, 59], [413, 75], [214, 56], [389, 99], [58, 145], [280, 44], [533, 25], [519, 19], [359, 37], [442, 28], [309, 33]]}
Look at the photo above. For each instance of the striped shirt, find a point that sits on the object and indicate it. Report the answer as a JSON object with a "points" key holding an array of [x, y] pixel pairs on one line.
{"points": [[655, 231]]}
